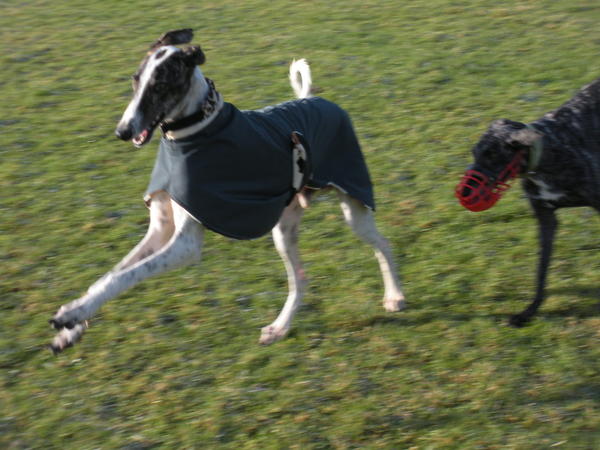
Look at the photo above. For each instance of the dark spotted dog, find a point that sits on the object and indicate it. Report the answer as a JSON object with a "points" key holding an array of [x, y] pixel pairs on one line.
{"points": [[239, 173], [558, 157]]}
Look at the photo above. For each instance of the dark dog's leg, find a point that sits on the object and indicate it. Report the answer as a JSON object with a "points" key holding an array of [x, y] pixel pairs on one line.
{"points": [[547, 227]]}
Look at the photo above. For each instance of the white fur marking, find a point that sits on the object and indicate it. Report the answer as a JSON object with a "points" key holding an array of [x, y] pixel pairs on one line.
{"points": [[544, 191], [300, 78], [131, 114]]}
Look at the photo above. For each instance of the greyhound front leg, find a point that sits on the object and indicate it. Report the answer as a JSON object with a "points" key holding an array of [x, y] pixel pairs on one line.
{"points": [[160, 231], [547, 228], [184, 247], [285, 236]]}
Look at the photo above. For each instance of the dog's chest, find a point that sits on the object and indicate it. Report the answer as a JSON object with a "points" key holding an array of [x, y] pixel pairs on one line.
{"points": [[541, 190], [554, 194]]}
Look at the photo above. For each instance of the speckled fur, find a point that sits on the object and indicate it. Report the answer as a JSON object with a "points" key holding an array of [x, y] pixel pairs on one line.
{"points": [[568, 173]]}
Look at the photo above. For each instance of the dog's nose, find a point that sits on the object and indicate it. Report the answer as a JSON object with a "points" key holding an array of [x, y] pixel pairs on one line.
{"points": [[124, 133]]}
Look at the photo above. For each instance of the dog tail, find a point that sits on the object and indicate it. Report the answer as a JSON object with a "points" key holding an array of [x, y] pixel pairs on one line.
{"points": [[300, 78]]}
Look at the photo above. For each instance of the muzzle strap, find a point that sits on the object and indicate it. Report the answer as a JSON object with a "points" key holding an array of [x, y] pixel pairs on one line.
{"points": [[535, 153]]}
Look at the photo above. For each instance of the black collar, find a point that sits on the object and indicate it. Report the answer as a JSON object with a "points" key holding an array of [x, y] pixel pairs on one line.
{"points": [[208, 107]]}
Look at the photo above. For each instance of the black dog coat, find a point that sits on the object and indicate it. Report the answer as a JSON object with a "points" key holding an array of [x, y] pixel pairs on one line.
{"points": [[235, 175]]}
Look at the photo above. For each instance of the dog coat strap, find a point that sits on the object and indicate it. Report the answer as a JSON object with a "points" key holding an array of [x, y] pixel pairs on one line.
{"points": [[300, 162]]}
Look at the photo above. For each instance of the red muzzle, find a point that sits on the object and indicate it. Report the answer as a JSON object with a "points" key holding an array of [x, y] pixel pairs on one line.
{"points": [[478, 192]]}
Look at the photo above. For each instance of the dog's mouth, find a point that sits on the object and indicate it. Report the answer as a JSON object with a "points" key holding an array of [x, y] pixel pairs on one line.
{"points": [[144, 137], [477, 191]]}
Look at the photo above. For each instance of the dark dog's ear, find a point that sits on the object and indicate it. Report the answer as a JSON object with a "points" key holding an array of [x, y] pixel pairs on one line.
{"points": [[525, 137], [515, 134], [174, 37], [194, 56]]}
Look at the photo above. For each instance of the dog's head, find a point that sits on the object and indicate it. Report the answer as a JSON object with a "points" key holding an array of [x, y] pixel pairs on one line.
{"points": [[160, 85], [499, 157]]}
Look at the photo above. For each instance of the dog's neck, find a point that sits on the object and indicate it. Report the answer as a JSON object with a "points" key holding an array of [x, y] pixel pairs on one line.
{"points": [[199, 107]]}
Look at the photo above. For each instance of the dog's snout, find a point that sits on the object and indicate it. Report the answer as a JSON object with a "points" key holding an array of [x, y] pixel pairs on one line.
{"points": [[472, 183], [124, 133]]}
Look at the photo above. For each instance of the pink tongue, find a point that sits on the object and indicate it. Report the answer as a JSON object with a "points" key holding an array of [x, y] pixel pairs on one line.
{"points": [[142, 136]]}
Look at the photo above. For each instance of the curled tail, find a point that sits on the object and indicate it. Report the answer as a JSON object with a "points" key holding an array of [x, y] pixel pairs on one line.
{"points": [[300, 78]]}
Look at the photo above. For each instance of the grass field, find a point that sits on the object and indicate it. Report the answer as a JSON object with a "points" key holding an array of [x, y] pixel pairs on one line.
{"points": [[175, 362]]}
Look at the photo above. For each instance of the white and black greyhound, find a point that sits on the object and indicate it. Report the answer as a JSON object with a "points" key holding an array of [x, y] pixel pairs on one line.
{"points": [[239, 173]]}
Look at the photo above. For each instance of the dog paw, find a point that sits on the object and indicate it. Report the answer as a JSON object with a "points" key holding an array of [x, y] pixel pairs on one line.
{"points": [[394, 304], [272, 333], [59, 324], [519, 320], [66, 318], [66, 337]]}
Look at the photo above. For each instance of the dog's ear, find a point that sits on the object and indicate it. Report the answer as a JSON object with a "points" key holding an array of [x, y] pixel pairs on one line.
{"points": [[525, 137], [175, 37], [194, 56]]}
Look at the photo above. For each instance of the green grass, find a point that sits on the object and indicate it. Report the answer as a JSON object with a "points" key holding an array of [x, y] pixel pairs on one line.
{"points": [[175, 362]]}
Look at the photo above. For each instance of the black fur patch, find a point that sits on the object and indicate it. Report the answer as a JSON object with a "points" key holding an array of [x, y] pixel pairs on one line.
{"points": [[174, 37]]}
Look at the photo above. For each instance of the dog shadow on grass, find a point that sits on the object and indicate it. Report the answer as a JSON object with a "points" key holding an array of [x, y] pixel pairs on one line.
{"points": [[587, 291], [400, 319], [582, 301]]}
